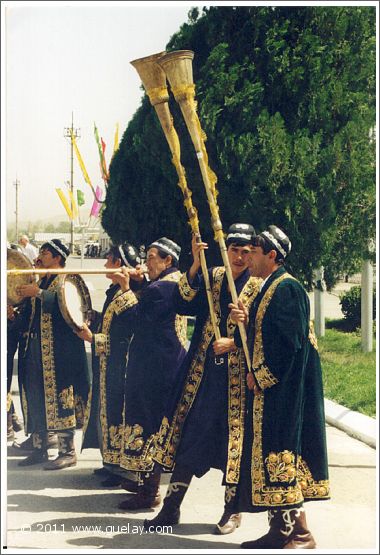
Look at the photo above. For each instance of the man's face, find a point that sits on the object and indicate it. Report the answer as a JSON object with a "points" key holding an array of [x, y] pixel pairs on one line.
{"points": [[155, 263], [23, 242], [47, 260], [259, 263], [112, 263], [239, 258]]}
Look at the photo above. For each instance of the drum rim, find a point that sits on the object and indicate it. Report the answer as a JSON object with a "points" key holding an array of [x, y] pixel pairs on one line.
{"points": [[24, 263], [84, 293]]}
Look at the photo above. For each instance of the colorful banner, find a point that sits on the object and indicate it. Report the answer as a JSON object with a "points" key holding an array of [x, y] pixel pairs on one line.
{"points": [[96, 205], [101, 149], [65, 203], [81, 164], [80, 197], [116, 140], [74, 207]]}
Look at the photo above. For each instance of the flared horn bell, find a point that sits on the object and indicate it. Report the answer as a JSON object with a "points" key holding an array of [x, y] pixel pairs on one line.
{"points": [[153, 78], [178, 67]]}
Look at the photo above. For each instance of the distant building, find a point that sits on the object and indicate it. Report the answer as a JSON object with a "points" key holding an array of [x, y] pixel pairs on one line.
{"points": [[41, 238], [104, 240]]}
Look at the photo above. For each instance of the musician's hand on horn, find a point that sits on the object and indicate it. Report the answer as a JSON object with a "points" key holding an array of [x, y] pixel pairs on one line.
{"points": [[223, 345], [137, 274], [196, 247], [29, 290], [122, 278], [85, 333], [239, 313], [252, 384]]}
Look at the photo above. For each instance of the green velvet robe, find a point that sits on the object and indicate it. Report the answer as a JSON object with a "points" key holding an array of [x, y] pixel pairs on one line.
{"points": [[284, 455], [56, 397]]}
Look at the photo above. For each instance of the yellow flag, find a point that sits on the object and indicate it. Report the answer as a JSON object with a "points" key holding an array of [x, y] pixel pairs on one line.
{"points": [[74, 206], [116, 140], [81, 163], [65, 203]]}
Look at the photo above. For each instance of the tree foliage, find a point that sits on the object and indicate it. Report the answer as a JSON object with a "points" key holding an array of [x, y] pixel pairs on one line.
{"points": [[286, 97]]}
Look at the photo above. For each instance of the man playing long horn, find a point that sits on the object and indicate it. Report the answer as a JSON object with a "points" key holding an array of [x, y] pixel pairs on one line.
{"points": [[154, 360], [204, 429]]}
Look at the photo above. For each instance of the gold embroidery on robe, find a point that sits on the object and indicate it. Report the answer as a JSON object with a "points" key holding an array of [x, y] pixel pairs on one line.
{"points": [[281, 466], [185, 289], [66, 398], [53, 421], [312, 336], [305, 487]]}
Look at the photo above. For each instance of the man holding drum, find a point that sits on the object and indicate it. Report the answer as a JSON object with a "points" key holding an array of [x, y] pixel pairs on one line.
{"points": [[55, 381]]}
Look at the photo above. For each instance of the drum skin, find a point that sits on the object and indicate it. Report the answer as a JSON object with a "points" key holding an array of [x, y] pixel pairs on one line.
{"points": [[74, 301], [17, 261]]}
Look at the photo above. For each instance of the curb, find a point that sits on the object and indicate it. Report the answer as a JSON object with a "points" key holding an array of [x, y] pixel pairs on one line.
{"points": [[355, 424]]}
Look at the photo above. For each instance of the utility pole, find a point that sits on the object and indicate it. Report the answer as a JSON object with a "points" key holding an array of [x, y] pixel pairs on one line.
{"points": [[17, 185], [72, 133]]}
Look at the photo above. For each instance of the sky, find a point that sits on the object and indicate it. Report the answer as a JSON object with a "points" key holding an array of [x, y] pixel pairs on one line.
{"points": [[64, 58]]}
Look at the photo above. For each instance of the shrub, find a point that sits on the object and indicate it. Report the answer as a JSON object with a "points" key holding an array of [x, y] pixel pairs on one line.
{"points": [[351, 306]]}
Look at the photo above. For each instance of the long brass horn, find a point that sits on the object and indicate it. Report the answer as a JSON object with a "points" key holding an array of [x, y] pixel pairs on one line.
{"points": [[179, 71], [59, 271], [154, 80]]}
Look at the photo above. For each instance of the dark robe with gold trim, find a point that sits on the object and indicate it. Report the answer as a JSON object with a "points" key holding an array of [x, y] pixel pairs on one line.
{"points": [[155, 356], [204, 428], [284, 457], [55, 378], [104, 411]]}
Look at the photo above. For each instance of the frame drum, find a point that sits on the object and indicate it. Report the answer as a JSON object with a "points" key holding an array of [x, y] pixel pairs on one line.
{"points": [[74, 301], [17, 261]]}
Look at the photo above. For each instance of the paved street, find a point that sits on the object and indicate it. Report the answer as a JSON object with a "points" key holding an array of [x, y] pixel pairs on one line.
{"points": [[69, 509]]}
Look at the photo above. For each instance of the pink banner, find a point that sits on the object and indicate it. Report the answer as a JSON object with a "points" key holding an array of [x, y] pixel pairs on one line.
{"points": [[96, 205]]}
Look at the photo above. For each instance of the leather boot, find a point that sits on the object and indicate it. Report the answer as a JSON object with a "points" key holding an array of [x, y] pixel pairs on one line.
{"points": [[228, 523], [52, 440], [129, 485], [39, 453], [25, 446], [10, 431], [168, 516], [170, 512], [17, 425], [230, 519], [287, 530], [66, 453], [147, 496]]}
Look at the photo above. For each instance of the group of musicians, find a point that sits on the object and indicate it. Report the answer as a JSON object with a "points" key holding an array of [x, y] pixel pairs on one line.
{"points": [[155, 404]]}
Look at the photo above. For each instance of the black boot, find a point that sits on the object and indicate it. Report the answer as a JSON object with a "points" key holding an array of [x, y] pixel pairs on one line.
{"points": [[66, 452], [230, 519], [17, 425], [25, 446], [287, 530], [10, 431], [39, 453], [147, 496], [170, 512]]}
